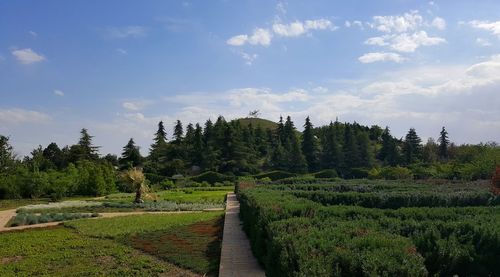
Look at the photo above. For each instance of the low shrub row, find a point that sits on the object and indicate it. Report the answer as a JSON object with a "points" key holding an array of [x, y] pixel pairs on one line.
{"points": [[295, 236], [30, 219]]}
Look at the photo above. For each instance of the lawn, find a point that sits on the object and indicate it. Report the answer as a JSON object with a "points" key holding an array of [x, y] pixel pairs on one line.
{"points": [[62, 252], [128, 225], [186, 195], [116, 247]]}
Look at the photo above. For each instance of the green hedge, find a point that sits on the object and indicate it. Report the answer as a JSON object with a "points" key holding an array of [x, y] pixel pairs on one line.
{"points": [[275, 175], [298, 237], [327, 173], [212, 178]]}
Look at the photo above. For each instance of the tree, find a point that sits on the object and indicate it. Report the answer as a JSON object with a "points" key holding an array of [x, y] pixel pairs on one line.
{"points": [[84, 150], [430, 151], [159, 144], [310, 146], [54, 155], [365, 150], [388, 154], [331, 155], [412, 148], [135, 178], [131, 156], [350, 149], [443, 144], [178, 132], [7, 156], [296, 160]]}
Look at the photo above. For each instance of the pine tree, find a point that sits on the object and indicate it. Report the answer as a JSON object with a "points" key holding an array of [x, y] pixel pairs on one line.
{"points": [[157, 149], [350, 149], [412, 147], [310, 146], [331, 155], [84, 150], [54, 155], [197, 149], [178, 132], [296, 160], [388, 153], [6, 154], [365, 150], [131, 157], [443, 144]]}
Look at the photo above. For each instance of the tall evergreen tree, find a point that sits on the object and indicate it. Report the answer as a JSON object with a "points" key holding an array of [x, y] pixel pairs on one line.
{"points": [[443, 144], [54, 155], [178, 132], [389, 152], [365, 150], [310, 146], [412, 148], [296, 160], [84, 150], [331, 155], [350, 149], [131, 156], [197, 149], [160, 141]]}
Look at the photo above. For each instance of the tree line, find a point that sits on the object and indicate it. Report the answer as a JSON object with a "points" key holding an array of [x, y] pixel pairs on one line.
{"points": [[350, 150]]}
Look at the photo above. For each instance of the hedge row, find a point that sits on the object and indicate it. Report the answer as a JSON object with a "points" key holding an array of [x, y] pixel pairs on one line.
{"points": [[297, 237]]}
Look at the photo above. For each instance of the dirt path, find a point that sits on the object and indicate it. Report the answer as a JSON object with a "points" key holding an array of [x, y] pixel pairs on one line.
{"points": [[6, 215]]}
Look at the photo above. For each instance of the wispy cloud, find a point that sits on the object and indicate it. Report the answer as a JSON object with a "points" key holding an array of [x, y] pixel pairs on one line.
{"points": [[27, 56], [125, 32], [492, 27], [262, 36], [58, 92], [381, 57], [15, 116]]}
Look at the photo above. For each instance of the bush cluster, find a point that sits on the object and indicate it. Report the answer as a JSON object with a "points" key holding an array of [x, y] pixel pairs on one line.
{"points": [[298, 236]]}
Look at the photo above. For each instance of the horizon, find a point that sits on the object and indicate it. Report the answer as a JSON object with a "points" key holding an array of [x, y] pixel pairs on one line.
{"points": [[65, 66]]}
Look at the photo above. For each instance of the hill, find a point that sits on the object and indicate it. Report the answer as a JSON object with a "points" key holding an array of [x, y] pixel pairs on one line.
{"points": [[263, 123]]}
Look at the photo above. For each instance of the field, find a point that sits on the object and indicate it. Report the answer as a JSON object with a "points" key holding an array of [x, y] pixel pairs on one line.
{"points": [[173, 244], [370, 228]]}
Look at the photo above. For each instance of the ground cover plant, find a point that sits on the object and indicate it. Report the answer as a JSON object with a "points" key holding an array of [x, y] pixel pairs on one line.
{"points": [[110, 247], [185, 195], [194, 246], [60, 251], [31, 219], [300, 229]]}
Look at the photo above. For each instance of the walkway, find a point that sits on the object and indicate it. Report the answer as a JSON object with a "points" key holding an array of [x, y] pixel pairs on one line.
{"points": [[236, 257]]}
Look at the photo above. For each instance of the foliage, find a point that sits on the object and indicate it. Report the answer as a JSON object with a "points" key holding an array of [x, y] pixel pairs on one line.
{"points": [[30, 218], [212, 178], [69, 254], [275, 175], [327, 173], [295, 236]]}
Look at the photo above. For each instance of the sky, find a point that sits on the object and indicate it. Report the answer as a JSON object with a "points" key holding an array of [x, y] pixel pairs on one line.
{"points": [[118, 67]]}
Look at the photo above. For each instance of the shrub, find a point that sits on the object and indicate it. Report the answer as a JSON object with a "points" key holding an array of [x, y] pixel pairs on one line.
{"points": [[327, 173], [396, 173], [275, 175], [212, 178]]}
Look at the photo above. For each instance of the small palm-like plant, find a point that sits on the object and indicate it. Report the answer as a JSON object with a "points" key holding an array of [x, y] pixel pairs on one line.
{"points": [[135, 178]]}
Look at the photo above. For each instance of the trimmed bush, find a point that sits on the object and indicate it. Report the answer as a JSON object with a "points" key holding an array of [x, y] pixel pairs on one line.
{"points": [[275, 175], [327, 173], [212, 178]]}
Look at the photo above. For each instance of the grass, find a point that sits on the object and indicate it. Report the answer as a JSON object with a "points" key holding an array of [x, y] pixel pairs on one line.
{"points": [[128, 225], [62, 252], [196, 246], [187, 195], [7, 204]]}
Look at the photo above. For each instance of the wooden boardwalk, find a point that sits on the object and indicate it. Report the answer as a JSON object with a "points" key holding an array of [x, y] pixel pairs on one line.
{"points": [[237, 259]]}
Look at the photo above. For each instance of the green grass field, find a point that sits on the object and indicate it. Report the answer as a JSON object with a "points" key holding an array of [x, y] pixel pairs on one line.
{"points": [[187, 195], [115, 247]]}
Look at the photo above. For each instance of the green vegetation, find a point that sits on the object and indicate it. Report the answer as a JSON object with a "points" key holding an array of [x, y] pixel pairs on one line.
{"points": [[127, 225], [62, 252], [195, 246], [296, 228], [30, 218]]}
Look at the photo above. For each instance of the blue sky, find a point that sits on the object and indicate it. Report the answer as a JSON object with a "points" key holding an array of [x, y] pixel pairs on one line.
{"points": [[118, 67]]}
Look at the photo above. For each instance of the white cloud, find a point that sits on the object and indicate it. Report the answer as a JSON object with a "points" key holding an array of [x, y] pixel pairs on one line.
{"points": [[381, 57], [125, 32], [439, 23], [58, 92], [406, 43], [299, 28], [28, 56], [121, 51], [135, 105], [259, 37], [237, 40], [33, 34], [249, 58], [402, 23], [281, 7], [493, 27], [483, 42], [15, 116]]}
